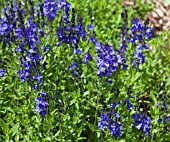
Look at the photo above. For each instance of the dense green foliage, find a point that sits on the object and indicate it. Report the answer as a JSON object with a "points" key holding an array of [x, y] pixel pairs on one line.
{"points": [[71, 114]]}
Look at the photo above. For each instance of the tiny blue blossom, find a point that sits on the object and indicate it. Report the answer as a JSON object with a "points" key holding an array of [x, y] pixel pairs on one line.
{"points": [[41, 106], [47, 48], [2, 72], [88, 57], [91, 27], [168, 118]]}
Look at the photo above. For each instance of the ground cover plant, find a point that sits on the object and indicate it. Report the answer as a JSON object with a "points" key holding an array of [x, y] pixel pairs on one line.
{"points": [[85, 71]]}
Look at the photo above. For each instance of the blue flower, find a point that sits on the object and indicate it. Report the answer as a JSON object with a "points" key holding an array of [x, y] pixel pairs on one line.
{"points": [[50, 9], [109, 81], [2, 72], [62, 4], [139, 58], [18, 49], [88, 57], [115, 129], [42, 94], [93, 40], [77, 51], [140, 32], [73, 66], [116, 115], [149, 32], [90, 27], [115, 105], [129, 105], [168, 118], [37, 77], [47, 48], [109, 120], [103, 122], [41, 106], [160, 120], [58, 44], [142, 122]]}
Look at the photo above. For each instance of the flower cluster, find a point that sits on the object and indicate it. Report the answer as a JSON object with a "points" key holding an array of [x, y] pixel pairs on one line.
{"points": [[41, 104], [107, 60], [8, 23], [142, 122], [139, 58], [39, 13], [30, 59], [50, 9], [88, 57], [110, 120], [72, 68], [71, 32], [139, 34], [115, 127], [28, 46], [128, 101], [62, 4], [124, 34], [31, 10]]}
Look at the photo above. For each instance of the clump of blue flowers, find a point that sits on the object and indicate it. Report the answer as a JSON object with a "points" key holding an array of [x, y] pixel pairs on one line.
{"points": [[137, 35], [124, 37], [108, 61], [140, 33], [41, 104], [71, 32], [50, 9], [128, 100], [142, 122], [109, 120], [26, 37]]}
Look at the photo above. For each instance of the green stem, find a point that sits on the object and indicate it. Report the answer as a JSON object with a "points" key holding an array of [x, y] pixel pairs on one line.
{"points": [[96, 114], [60, 127]]}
